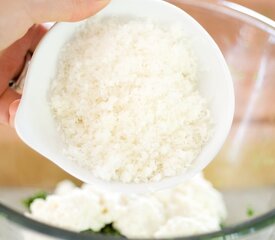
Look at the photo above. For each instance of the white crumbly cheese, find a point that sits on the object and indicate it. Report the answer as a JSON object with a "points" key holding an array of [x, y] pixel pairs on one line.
{"points": [[64, 187], [126, 100], [192, 208], [140, 218], [76, 211]]}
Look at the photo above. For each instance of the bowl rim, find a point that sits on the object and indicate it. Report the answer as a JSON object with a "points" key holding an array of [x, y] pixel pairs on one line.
{"points": [[242, 229], [236, 230]]}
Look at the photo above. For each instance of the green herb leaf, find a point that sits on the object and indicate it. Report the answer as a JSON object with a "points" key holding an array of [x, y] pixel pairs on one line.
{"points": [[250, 212], [222, 225], [28, 201], [106, 230]]}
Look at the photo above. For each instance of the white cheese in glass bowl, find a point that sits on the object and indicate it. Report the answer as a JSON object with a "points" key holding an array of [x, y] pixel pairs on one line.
{"points": [[191, 208]]}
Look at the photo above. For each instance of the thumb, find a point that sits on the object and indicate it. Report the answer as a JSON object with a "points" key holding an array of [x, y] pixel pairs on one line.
{"points": [[63, 10], [12, 111]]}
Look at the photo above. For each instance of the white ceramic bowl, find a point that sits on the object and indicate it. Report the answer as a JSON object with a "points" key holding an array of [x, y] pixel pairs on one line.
{"points": [[34, 122]]}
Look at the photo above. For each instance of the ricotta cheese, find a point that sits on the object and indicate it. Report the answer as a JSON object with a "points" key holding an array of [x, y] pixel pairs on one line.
{"points": [[193, 207]]}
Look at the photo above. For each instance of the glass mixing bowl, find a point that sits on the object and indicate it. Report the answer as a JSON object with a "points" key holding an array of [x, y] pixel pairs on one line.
{"points": [[244, 169]]}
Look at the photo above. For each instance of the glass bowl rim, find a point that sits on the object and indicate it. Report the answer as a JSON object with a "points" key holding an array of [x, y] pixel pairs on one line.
{"points": [[241, 229]]}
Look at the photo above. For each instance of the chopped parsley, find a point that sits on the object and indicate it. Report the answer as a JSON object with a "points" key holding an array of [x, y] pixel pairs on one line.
{"points": [[222, 225], [106, 230], [250, 212], [28, 201]]}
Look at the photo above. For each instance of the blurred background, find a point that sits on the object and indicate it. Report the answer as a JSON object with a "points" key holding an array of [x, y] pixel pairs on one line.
{"points": [[265, 7]]}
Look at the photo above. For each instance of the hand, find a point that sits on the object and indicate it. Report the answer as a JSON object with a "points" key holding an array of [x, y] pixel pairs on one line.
{"points": [[20, 19]]}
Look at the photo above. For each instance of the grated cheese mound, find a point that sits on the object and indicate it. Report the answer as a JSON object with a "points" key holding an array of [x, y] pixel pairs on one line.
{"points": [[126, 100]]}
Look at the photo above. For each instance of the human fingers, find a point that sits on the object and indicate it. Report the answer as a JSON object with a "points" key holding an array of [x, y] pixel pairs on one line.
{"points": [[12, 111], [6, 99], [17, 16], [63, 10], [12, 61]]}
